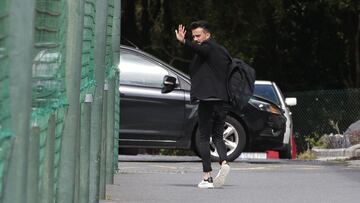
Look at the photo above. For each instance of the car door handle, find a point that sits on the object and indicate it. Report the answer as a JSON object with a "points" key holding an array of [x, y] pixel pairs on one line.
{"points": [[122, 94]]}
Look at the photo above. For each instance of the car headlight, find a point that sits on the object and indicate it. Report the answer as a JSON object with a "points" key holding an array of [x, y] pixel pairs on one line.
{"points": [[263, 106]]}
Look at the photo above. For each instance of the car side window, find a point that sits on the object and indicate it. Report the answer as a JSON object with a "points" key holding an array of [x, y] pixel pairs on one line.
{"points": [[184, 85], [137, 70]]}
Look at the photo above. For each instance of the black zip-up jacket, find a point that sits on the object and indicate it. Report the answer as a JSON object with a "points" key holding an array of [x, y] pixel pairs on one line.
{"points": [[208, 70]]}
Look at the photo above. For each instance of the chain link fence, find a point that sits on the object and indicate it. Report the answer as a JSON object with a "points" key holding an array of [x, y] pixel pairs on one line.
{"points": [[323, 112]]}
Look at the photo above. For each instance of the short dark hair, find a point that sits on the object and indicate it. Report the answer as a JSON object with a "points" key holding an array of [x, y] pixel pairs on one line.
{"points": [[200, 24]]}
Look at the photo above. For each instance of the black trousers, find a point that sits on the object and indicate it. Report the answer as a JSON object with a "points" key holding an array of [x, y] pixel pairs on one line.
{"points": [[211, 123]]}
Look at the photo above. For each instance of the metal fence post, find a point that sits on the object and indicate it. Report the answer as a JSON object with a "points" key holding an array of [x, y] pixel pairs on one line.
{"points": [[77, 160], [103, 144], [110, 132], [96, 113], [85, 150], [117, 124], [33, 166], [66, 187], [47, 183], [116, 35], [116, 32], [20, 45]]}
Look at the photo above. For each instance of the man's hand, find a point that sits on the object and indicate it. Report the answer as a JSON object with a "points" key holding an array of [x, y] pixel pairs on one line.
{"points": [[180, 33]]}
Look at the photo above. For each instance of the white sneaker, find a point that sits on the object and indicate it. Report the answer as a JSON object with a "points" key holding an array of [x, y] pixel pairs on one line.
{"points": [[206, 183], [221, 176]]}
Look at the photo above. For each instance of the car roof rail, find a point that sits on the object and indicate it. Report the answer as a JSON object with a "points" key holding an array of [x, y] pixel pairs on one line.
{"points": [[129, 43]]}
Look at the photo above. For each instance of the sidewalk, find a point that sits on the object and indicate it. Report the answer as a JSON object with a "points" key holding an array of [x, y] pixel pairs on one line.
{"points": [[337, 154], [158, 179]]}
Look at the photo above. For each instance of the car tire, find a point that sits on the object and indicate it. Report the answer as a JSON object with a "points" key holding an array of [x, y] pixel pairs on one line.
{"points": [[234, 137], [286, 152]]}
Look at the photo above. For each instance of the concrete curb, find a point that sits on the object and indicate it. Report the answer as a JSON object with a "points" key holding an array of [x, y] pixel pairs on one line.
{"points": [[353, 151], [342, 153]]}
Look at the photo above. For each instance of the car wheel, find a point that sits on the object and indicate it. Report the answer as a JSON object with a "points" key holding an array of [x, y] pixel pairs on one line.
{"points": [[234, 138], [286, 152]]}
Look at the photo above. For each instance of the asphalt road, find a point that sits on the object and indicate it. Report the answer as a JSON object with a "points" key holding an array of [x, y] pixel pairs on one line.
{"points": [[174, 179]]}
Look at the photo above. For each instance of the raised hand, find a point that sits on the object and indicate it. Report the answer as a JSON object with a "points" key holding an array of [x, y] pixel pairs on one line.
{"points": [[180, 33]]}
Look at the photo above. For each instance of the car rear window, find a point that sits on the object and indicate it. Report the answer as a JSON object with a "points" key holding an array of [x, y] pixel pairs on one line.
{"points": [[267, 92]]}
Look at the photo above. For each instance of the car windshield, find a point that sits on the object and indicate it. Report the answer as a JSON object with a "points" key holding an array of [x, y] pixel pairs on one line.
{"points": [[267, 92]]}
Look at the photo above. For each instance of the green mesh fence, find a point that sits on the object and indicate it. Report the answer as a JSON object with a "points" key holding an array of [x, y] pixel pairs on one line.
{"points": [[111, 72], [5, 107], [117, 122], [49, 81], [59, 128], [87, 72], [49, 61], [110, 69], [324, 112], [49, 75], [5, 150]]}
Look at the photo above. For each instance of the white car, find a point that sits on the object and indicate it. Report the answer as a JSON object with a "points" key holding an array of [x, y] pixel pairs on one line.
{"points": [[270, 91]]}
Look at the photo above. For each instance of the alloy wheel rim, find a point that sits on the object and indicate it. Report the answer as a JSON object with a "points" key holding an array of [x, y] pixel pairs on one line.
{"points": [[231, 139]]}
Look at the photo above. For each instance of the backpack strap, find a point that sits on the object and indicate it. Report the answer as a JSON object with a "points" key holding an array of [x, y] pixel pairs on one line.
{"points": [[227, 53]]}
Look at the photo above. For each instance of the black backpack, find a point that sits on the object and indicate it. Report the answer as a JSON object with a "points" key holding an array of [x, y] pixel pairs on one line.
{"points": [[240, 82]]}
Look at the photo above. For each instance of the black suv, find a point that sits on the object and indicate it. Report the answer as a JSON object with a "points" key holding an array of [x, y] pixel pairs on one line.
{"points": [[156, 111]]}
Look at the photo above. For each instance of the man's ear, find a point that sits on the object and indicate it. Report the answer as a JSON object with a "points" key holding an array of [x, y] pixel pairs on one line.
{"points": [[208, 35]]}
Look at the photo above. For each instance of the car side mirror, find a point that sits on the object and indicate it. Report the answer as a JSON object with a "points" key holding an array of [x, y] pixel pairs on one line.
{"points": [[291, 101], [169, 84]]}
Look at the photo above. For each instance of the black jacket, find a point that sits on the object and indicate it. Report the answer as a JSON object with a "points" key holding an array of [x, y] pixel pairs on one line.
{"points": [[208, 70]]}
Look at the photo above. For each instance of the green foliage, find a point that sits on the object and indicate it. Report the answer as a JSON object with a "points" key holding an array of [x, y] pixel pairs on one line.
{"points": [[285, 41], [314, 140], [334, 125], [307, 155]]}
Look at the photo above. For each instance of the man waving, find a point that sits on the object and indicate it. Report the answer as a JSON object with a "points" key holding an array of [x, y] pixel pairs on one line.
{"points": [[208, 71]]}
